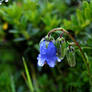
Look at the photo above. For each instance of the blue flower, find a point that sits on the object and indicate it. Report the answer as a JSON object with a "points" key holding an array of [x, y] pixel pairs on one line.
{"points": [[48, 54]]}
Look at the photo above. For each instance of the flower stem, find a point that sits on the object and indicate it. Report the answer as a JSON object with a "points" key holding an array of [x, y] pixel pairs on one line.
{"points": [[77, 44]]}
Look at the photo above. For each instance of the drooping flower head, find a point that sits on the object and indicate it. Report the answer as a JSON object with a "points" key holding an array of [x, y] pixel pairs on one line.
{"points": [[55, 50], [47, 53]]}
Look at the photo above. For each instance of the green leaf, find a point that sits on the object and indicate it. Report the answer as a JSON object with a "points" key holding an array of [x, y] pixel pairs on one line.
{"points": [[79, 17], [86, 10], [29, 81], [12, 84]]}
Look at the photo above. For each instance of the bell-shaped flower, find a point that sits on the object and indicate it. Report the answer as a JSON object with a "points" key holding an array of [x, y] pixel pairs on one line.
{"points": [[47, 54]]}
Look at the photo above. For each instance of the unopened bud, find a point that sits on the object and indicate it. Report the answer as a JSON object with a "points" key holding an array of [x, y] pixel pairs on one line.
{"points": [[61, 47], [70, 55]]}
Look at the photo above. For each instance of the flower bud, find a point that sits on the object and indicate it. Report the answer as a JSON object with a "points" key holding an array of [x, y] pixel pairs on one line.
{"points": [[49, 38], [61, 47], [70, 55]]}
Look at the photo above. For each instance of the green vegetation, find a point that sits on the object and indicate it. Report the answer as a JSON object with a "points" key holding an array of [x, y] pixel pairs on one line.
{"points": [[23, 23]]}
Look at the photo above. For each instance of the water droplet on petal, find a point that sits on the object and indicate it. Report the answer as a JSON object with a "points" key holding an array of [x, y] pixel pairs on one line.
{"points": [[59, 60]]}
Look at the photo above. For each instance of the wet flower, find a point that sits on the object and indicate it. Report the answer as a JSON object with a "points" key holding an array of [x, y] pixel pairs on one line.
{"points": [[47, 54]]}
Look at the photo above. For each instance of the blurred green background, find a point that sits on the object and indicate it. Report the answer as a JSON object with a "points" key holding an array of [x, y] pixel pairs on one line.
{"points": [[22, 25]]}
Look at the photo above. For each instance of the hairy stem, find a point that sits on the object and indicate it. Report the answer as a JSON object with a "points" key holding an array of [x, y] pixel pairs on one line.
{"points": [[77, 44]]}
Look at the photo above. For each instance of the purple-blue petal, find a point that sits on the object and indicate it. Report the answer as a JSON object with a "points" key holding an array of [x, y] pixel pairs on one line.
{"points": [[51, 55], [47, 54], [41, 60], [51, 61], [43, 47], [51, 50]]}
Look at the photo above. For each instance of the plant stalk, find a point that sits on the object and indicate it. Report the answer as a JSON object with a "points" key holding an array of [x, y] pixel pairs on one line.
{"points": [[77, 44]]}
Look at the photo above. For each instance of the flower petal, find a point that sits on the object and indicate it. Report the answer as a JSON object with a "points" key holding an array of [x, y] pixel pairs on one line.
{"points": [[41, 60], [42, 47], [51, 50], [51, 55], [51, 61]]}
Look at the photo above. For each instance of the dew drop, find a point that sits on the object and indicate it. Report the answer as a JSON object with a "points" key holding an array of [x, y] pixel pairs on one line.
{"points": [[59, 60]]}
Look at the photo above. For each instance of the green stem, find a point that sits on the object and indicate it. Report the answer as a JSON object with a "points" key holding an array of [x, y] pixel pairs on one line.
{"points": [[77, 44]]}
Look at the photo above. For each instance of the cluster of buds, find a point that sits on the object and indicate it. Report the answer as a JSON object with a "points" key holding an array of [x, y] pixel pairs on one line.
{"points": [[52, 50]]}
